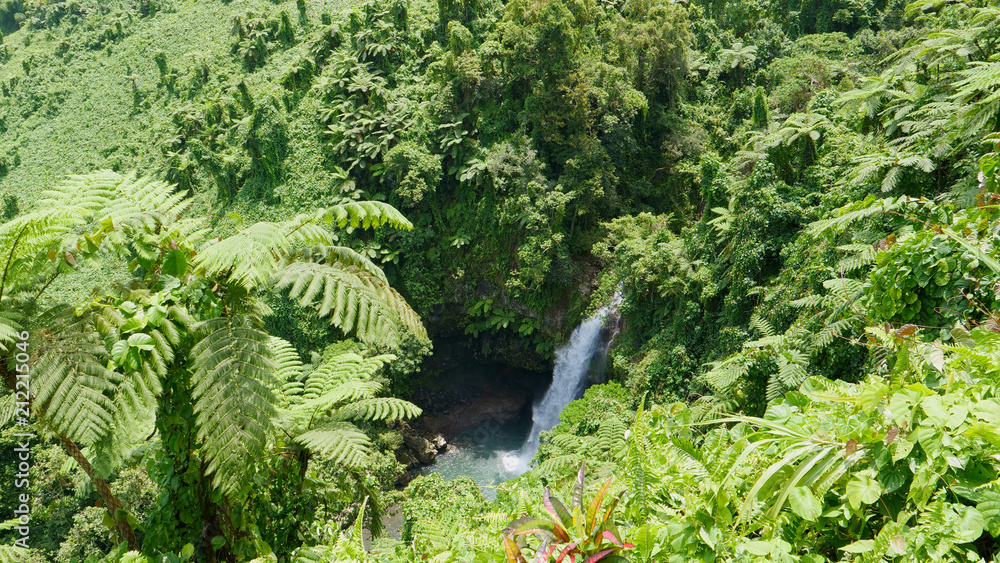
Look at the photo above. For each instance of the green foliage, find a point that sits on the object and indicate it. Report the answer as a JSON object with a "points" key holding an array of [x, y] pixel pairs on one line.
{"points": [[781, 192]]}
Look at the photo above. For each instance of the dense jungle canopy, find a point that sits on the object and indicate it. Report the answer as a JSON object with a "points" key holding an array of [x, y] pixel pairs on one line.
{"points": [[232, 232]]}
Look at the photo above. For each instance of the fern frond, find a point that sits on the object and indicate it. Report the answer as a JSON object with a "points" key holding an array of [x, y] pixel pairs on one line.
{"points": [[380, 408], [341, 369], [25, 240], [791, 373], [343, 257], [346, 392], [109, 195], [610, 435], [560, 464], [9, 328], [688, 457], [849, 214], [234, 404], [8, 404], [812, 300], [343, 297], [12, 554], [248, 258], [726, 373], [72, 384], [287, 364], [845, 289], [120, 203], [762, 325], [367, 215], [342, 441]]}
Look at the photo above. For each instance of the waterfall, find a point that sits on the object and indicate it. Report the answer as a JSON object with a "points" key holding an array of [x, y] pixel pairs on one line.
{"points": [[569, 378]]}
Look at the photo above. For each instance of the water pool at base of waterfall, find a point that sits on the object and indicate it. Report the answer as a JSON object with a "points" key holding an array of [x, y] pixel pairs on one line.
{"points": [[489, 454], [493, 451]]}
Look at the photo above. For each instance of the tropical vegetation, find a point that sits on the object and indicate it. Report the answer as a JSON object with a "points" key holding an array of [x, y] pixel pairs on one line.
{"points": [[231, 230]]}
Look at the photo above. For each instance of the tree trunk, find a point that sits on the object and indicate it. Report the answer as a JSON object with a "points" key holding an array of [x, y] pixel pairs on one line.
{"points": [[111, 502]]}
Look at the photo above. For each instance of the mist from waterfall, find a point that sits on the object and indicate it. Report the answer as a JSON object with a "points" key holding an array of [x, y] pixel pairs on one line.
{"points": [[569, 378]]}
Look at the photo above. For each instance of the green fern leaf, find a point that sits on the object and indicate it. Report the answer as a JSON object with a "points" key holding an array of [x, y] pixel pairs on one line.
{"points": [[72, 384], [342, 441], [381, 408], [234, 404]]}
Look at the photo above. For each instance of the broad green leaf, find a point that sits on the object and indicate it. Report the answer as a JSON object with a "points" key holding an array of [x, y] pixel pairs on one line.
{"points": [[970, 524], [860, 546], [759, 547], [155, 315], [934, 410], [174, 263], [987, 410], [118, 351], [900, 449], [983, 431], [957, 414], [872, 394], [862, 489], [989, 507], [805, 504], [141, 341]]}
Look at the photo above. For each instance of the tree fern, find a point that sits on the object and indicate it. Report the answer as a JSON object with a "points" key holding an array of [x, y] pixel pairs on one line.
{"points": [[234, 403], [342, 296], [72, 384], [122, 200], [287, 368], [379, 408], [11, 554], [724, 374], [341, 390], [251, 257], [324, 387], [342, 441], [31, 244]]}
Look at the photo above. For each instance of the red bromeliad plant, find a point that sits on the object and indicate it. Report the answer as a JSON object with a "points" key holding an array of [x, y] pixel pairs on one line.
{"points": [[571, 535]]}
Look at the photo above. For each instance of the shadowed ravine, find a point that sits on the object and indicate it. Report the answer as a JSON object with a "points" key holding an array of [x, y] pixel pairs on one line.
{"points": [[498, 448]]}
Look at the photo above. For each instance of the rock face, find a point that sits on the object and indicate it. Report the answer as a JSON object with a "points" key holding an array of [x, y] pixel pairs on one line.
{"points": [[419, 448], [493, 406]]}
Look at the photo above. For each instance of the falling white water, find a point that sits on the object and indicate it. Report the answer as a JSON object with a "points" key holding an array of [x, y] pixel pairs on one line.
{"points": [[569, 377]]}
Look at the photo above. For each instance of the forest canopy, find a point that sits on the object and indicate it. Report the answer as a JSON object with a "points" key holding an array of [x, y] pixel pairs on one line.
{"points": [[232, 232]]}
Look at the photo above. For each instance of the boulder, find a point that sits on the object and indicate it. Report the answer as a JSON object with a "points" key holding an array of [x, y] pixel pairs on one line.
{"points": [[420, 447]]}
